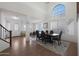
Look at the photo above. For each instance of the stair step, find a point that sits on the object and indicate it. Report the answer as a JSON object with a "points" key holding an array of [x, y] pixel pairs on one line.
{"points": [[3, 45]]}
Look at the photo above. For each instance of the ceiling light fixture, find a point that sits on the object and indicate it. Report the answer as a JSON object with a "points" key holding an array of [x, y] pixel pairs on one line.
{"points": [[14, 17]]}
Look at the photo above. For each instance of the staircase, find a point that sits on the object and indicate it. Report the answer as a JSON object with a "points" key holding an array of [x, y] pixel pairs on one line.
{"points": [[5, 38], [3, 45]]}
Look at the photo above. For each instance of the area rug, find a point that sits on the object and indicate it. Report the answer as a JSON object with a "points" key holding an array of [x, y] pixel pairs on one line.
{"points": [[61, 50]]}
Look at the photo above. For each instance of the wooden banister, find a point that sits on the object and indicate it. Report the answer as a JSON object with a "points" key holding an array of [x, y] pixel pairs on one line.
{"points": [[4, 40], [10, 37], [4, 28]]}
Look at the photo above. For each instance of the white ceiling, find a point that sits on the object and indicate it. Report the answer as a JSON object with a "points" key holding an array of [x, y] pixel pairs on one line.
{"points": [[34, 9]]}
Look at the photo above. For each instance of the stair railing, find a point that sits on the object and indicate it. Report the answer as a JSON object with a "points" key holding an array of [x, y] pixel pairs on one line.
{"points": [[5, 35]]}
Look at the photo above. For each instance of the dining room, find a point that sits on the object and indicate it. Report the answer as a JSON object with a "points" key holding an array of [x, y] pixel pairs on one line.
{"points": [[58, 31], [53, 36]]}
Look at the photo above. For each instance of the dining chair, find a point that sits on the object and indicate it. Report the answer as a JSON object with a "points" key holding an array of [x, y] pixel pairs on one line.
{"points": [[51, 32], [46, 32], [42, 36], [47, 37], [58, 38], [37, 35]]}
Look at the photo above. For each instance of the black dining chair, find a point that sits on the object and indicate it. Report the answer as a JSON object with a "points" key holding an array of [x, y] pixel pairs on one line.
{"points": [[51, 32], [42, 36], [37, 35], [47, 37], [46, 32], [51, 38], [34, 33], [58, 38]]}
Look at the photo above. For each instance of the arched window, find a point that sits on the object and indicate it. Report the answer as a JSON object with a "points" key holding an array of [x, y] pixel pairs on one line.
{"points": [[58, 10]]}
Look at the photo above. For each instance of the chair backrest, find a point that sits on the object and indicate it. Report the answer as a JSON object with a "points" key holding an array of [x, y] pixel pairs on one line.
{"points": [[37, 33], [42, 33], [51, 32], [34, 33], [46, 31], [60, 35]]}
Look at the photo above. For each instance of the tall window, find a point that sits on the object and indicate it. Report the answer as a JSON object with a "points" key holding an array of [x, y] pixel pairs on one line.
{"points": [[58, 10], [24, 27], [16, 27], [8, 24]]}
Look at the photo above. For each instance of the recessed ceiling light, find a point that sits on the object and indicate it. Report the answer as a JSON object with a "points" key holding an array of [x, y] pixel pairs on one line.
{"points": [[14, 17]]}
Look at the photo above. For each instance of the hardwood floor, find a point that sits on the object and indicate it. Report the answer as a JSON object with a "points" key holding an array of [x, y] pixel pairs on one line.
{"points": [[25, 47]]}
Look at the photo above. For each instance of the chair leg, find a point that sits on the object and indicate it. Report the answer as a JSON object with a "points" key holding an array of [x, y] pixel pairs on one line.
{"points": [[59, 42], [52, 42]]}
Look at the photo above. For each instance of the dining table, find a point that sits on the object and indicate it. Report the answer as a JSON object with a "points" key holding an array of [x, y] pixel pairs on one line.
{"points": [[52, 35]]}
